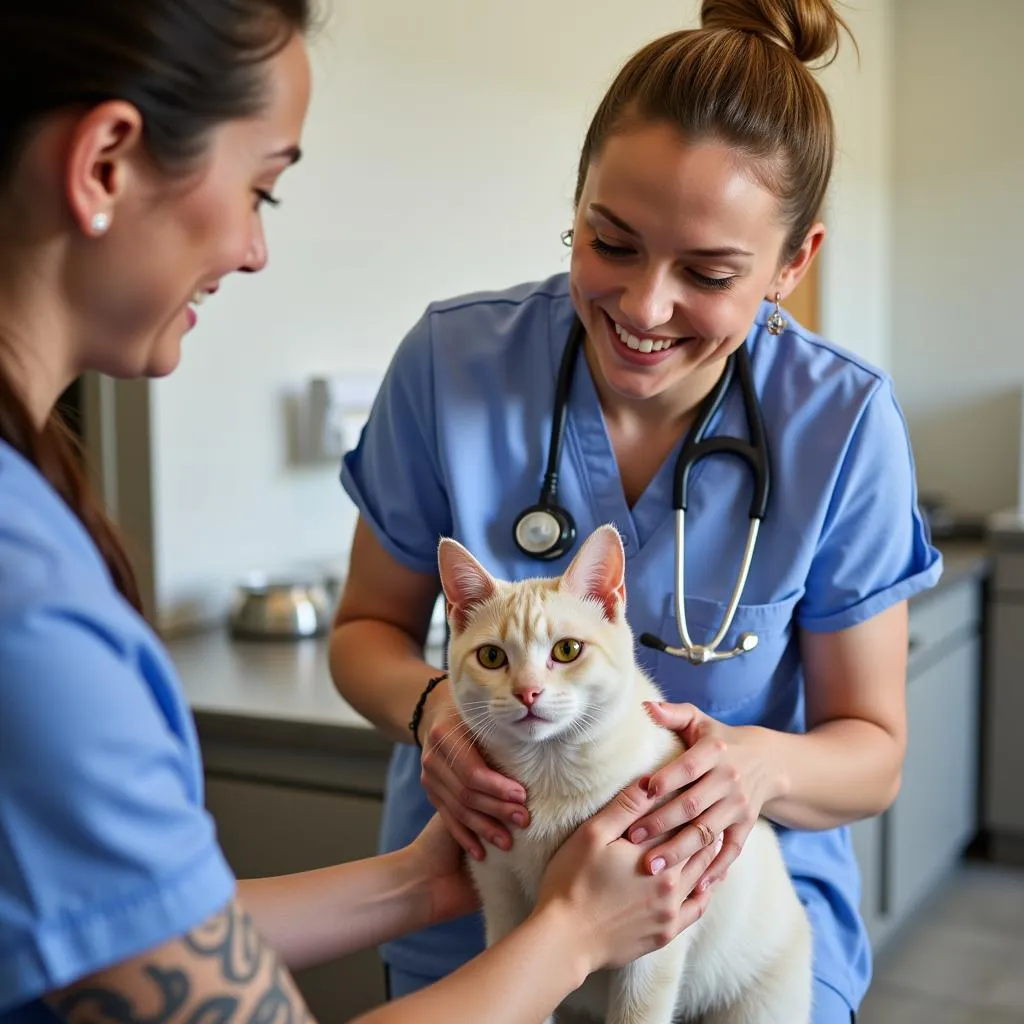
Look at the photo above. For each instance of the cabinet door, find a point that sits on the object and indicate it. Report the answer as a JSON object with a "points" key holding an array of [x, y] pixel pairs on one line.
{"points": [[275, 830], [935, 815], [1004, 766]]}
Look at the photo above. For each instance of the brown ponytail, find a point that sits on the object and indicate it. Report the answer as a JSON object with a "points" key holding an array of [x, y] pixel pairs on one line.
{"points": [[56, 453], [740, 79]]}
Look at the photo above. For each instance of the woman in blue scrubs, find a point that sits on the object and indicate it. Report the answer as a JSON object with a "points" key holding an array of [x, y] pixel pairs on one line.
{"points": [[696, 215], [139, 141]]}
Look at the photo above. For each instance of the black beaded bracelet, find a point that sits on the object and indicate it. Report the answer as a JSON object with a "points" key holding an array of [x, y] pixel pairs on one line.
{"points": [[414, 722]]}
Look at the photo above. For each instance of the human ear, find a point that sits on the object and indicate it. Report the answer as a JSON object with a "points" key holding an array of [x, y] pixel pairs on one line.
{"points": [[790, 275], [100, 147]]}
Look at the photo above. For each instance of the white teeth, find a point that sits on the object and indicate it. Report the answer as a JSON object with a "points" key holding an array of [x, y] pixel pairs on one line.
{"points": [[198, 298], [641, 345]]}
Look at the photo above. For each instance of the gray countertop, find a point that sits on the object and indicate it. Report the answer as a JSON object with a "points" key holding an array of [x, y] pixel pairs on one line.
{"points": [[263, 687], [263, 679]]}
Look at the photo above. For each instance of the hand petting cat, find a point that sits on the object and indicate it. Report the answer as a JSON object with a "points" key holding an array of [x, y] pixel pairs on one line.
{"points": [[472, 799], [722, 781]]}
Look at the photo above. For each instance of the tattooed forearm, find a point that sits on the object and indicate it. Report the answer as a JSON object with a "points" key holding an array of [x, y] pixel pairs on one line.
{"points": [[232, 940], [220, 973]]}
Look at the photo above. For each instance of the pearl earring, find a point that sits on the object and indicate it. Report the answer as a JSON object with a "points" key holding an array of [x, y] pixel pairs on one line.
{"points": [[100, 223]]}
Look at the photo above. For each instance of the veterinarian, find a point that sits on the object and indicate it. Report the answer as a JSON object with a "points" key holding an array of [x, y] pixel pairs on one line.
{"points": [[138, 143], [697, 209]]}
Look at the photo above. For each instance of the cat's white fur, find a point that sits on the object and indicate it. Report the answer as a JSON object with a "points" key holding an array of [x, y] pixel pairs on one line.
{"points": [[748, 960]]}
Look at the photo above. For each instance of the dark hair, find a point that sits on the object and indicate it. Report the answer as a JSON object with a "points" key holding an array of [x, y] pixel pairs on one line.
{"points": [[741, 79], [187, 66]]}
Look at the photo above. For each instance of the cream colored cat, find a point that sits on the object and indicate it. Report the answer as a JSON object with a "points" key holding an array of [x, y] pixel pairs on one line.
{"points": [[544, 676]]}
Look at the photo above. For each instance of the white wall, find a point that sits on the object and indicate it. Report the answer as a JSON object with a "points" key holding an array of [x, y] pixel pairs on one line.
{"points": [[959, 243], [441, 154], [855, 270]]}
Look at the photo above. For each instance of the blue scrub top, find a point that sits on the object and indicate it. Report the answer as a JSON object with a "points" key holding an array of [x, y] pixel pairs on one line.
{"points": [[456, 445], [105, 847]]}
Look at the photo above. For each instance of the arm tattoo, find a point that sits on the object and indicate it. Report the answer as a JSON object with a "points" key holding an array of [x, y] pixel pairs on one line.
{"points": [[168, 994], [232, 939]]}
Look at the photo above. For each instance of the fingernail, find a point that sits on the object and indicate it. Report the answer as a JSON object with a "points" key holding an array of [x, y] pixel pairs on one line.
{"points": [[519, 795], [500, 842], [652, 789], [644, 782], [638, 836], [519, 819], [476, 854], [657, 865]]}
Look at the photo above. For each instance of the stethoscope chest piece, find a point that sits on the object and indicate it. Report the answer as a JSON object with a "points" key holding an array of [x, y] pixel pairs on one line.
{"points": [[545, 531]]}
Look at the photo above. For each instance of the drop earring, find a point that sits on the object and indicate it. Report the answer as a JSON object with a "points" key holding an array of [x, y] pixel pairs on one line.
{"points": [[100, 223], [777, 323], [566, 237]]}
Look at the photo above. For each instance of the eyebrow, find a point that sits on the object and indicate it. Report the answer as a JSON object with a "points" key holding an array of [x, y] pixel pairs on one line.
{"points": [[291, 153], [727, 250]]}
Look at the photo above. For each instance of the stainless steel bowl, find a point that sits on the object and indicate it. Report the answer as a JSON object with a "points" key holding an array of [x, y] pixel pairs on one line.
{"points": [[280, 609]]}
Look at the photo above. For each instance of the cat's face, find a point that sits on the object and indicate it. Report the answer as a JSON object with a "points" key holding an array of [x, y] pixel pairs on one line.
{"points": [[541, 658]]}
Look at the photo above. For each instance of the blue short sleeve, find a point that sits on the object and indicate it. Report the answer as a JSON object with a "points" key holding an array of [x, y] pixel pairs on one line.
{"points": [[394, 475], [874, 549], [105, 847]]}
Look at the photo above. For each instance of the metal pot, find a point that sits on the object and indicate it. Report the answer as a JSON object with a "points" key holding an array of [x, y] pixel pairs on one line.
{"points": [[280, 609]]}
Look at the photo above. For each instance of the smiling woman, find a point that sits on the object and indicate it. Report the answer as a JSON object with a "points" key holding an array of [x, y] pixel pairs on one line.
{"points": [[696, 216], [138, 142]]}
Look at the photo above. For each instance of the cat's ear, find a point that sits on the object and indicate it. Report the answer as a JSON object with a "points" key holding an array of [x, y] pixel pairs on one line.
{"points": [[465, 582], [599, 571]]}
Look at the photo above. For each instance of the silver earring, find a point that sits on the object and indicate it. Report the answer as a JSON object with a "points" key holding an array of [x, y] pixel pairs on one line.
{"points": [[566, 237], [100, 223], [777, 323]]}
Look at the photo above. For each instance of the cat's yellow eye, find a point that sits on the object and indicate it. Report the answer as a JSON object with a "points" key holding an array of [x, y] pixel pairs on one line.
{"points": [[566, 650], [491, 657]]}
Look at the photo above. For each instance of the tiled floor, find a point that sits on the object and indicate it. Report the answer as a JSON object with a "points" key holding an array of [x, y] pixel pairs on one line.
{"points": [[960, 960]]}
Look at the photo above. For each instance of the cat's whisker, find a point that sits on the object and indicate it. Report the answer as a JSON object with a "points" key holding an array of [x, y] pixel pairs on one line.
{"points": [[471, 724], [472, 736], [473, 717], [587, 718], [455, 730]]}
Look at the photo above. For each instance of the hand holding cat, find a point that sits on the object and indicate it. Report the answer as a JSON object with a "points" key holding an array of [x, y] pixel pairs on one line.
{"points": [[473, 800], [437, 858], [620, 912], [723, 781]]}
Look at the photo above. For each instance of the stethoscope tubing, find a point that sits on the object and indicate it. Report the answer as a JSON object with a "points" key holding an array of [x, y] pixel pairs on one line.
{"points": [[696, 446]]}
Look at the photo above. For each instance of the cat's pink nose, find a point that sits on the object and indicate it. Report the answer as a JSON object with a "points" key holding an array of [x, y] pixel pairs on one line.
{"points": [[529, 696]]}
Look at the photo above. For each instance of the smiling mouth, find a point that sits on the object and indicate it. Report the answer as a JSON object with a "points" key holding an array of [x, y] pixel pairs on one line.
{"points": [[644, 345]]}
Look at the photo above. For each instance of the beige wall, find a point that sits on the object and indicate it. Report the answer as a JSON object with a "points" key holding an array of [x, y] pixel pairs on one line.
{"points": [[958, 354]]}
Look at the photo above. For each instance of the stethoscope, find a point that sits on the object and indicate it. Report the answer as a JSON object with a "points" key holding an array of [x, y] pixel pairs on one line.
{"points": [[547, 530]]}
